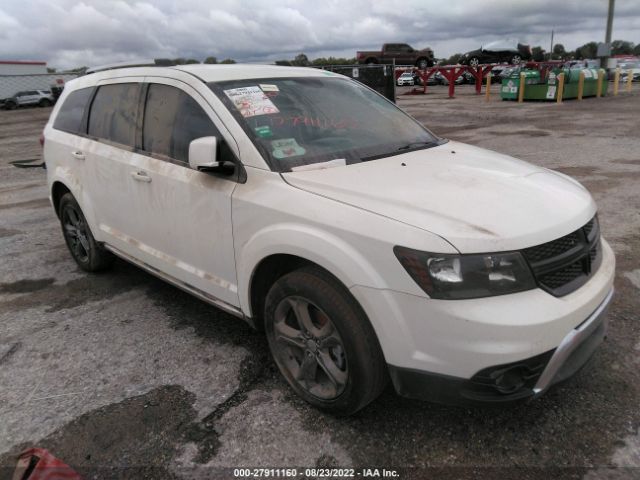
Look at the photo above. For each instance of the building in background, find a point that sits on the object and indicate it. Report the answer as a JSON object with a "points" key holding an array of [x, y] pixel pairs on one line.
{"points": [[18, 67], [20, 76]]}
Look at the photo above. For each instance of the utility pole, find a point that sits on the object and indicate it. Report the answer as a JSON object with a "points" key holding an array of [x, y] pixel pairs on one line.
{"points": [[607, 36], [551, 48]]}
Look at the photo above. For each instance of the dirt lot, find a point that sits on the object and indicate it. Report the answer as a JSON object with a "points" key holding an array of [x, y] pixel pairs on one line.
{"points": [[122, 370]]}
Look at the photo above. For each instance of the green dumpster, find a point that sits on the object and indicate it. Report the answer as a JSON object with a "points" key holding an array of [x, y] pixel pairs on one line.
{"points": [[537, 88], [511, 84]]}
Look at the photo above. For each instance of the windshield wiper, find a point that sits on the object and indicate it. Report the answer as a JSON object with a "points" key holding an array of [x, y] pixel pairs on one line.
{"points": [[404, 148], [416, 145]]}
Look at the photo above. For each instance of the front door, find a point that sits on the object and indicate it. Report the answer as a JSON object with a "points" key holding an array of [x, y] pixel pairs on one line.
{"points": [[183, 215]]}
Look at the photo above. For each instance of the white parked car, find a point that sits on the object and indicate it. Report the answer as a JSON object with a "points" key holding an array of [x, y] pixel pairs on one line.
{"points": [[365, 246], [405, 79]]}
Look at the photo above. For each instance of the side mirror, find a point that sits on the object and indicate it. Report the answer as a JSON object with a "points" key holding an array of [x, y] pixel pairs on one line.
{"points": [[203, 154]]}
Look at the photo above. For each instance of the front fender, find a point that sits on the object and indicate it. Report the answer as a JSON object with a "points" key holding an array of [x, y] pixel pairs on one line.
{"points": [[321, 247]]}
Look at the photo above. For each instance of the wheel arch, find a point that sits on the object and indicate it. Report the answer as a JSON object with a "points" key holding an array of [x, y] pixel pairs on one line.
{"points": [[264, 258], [58, 189], [63, 181]]}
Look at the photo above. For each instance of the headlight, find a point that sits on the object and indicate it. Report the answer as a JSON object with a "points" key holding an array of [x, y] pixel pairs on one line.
{"points": [[451, 277]]}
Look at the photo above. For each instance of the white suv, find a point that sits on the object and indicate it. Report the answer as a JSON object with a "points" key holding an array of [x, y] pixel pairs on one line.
{"points": [[41, 98], [365, 246]]}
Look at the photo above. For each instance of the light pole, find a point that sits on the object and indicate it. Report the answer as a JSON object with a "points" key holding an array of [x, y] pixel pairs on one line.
{"points": [[607, 35]]}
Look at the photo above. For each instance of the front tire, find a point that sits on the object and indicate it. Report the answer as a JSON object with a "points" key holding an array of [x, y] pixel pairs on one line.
{"points": [[84, 249], [323, 343], [474, 62], [516, 60], [44, 103]]}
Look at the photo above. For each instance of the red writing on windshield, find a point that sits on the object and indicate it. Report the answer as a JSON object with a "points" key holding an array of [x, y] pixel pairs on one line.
{"points": [[299, 120]]}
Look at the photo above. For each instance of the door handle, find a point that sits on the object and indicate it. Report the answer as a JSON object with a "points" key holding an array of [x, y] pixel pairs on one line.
{"points": [[78, 155], [141, 176]]}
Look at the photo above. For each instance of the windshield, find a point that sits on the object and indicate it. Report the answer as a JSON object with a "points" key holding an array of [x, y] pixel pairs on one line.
{"points": [[296, 122]]}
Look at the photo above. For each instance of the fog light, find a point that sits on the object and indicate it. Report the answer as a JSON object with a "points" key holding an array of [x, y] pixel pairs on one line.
{"points": [[511, 380]]}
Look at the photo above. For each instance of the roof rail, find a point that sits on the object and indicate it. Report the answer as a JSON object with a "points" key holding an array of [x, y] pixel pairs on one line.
{"points": [[158, 62]]}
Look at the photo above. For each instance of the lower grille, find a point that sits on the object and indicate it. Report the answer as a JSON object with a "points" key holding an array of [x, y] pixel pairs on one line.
{"points": [[565, 264], [509, 381]]}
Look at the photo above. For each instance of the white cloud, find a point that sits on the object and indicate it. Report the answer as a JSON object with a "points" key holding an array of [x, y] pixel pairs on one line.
{"points": [[70, 33]]}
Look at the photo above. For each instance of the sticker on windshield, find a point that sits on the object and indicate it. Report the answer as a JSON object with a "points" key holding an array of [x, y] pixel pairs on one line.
{"points": [[251, 101], [286, 147], [263, 131], [269, 88]]}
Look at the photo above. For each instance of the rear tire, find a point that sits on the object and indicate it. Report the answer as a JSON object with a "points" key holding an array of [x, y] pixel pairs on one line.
{"points": [[474, 61], [323, 342], [88, 254], [9, 105], [516, 60]]}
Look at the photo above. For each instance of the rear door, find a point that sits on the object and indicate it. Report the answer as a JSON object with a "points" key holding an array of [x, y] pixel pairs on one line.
{"points": [[182, 217], [108, 156], [404, 54]]}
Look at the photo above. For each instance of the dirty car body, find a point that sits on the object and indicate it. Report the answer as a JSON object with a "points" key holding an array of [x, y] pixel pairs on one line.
{"points": [[367, 247]]}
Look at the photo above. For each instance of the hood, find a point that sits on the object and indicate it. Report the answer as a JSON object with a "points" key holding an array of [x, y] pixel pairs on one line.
{"points": [[478, 200]]}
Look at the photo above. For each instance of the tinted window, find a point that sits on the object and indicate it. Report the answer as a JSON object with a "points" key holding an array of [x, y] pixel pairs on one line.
{"points": [[172, 120], [70, 115], [113, 113]]}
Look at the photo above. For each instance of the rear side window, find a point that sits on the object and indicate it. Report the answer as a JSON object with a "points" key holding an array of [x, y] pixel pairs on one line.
{"points": [[113, 113], [172, 119], [71, 113]]}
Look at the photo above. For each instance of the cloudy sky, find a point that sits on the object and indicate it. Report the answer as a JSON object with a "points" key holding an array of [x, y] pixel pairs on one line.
{"points": [[71, 33]]}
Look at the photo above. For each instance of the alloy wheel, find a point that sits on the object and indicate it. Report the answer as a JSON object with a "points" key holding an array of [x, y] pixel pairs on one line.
{"points": [[309, 348], [76, 233]]}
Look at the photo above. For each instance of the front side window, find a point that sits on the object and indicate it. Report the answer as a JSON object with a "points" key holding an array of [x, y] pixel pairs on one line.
{"points": [[301, 121], [71, 113], [113, 113], [172, 119]]}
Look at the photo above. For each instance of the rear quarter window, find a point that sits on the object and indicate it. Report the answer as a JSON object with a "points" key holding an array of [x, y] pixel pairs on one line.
{"points": [[71, 113], [113, 113]]}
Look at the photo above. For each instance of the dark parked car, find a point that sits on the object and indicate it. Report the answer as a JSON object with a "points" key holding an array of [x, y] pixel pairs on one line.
{"points": [[498, 52]]}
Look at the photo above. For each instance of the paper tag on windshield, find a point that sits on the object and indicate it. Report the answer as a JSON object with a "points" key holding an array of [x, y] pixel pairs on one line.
{"points": [[269, 88], [251, 101], [286, 147]]}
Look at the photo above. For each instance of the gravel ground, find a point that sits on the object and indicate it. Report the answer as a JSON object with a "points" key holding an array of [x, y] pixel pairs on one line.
{"points": [[122, 370]]}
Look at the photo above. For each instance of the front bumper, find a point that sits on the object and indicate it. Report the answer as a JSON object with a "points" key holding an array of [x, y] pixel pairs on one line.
{"points": [[441, 345], [514, 382]]}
